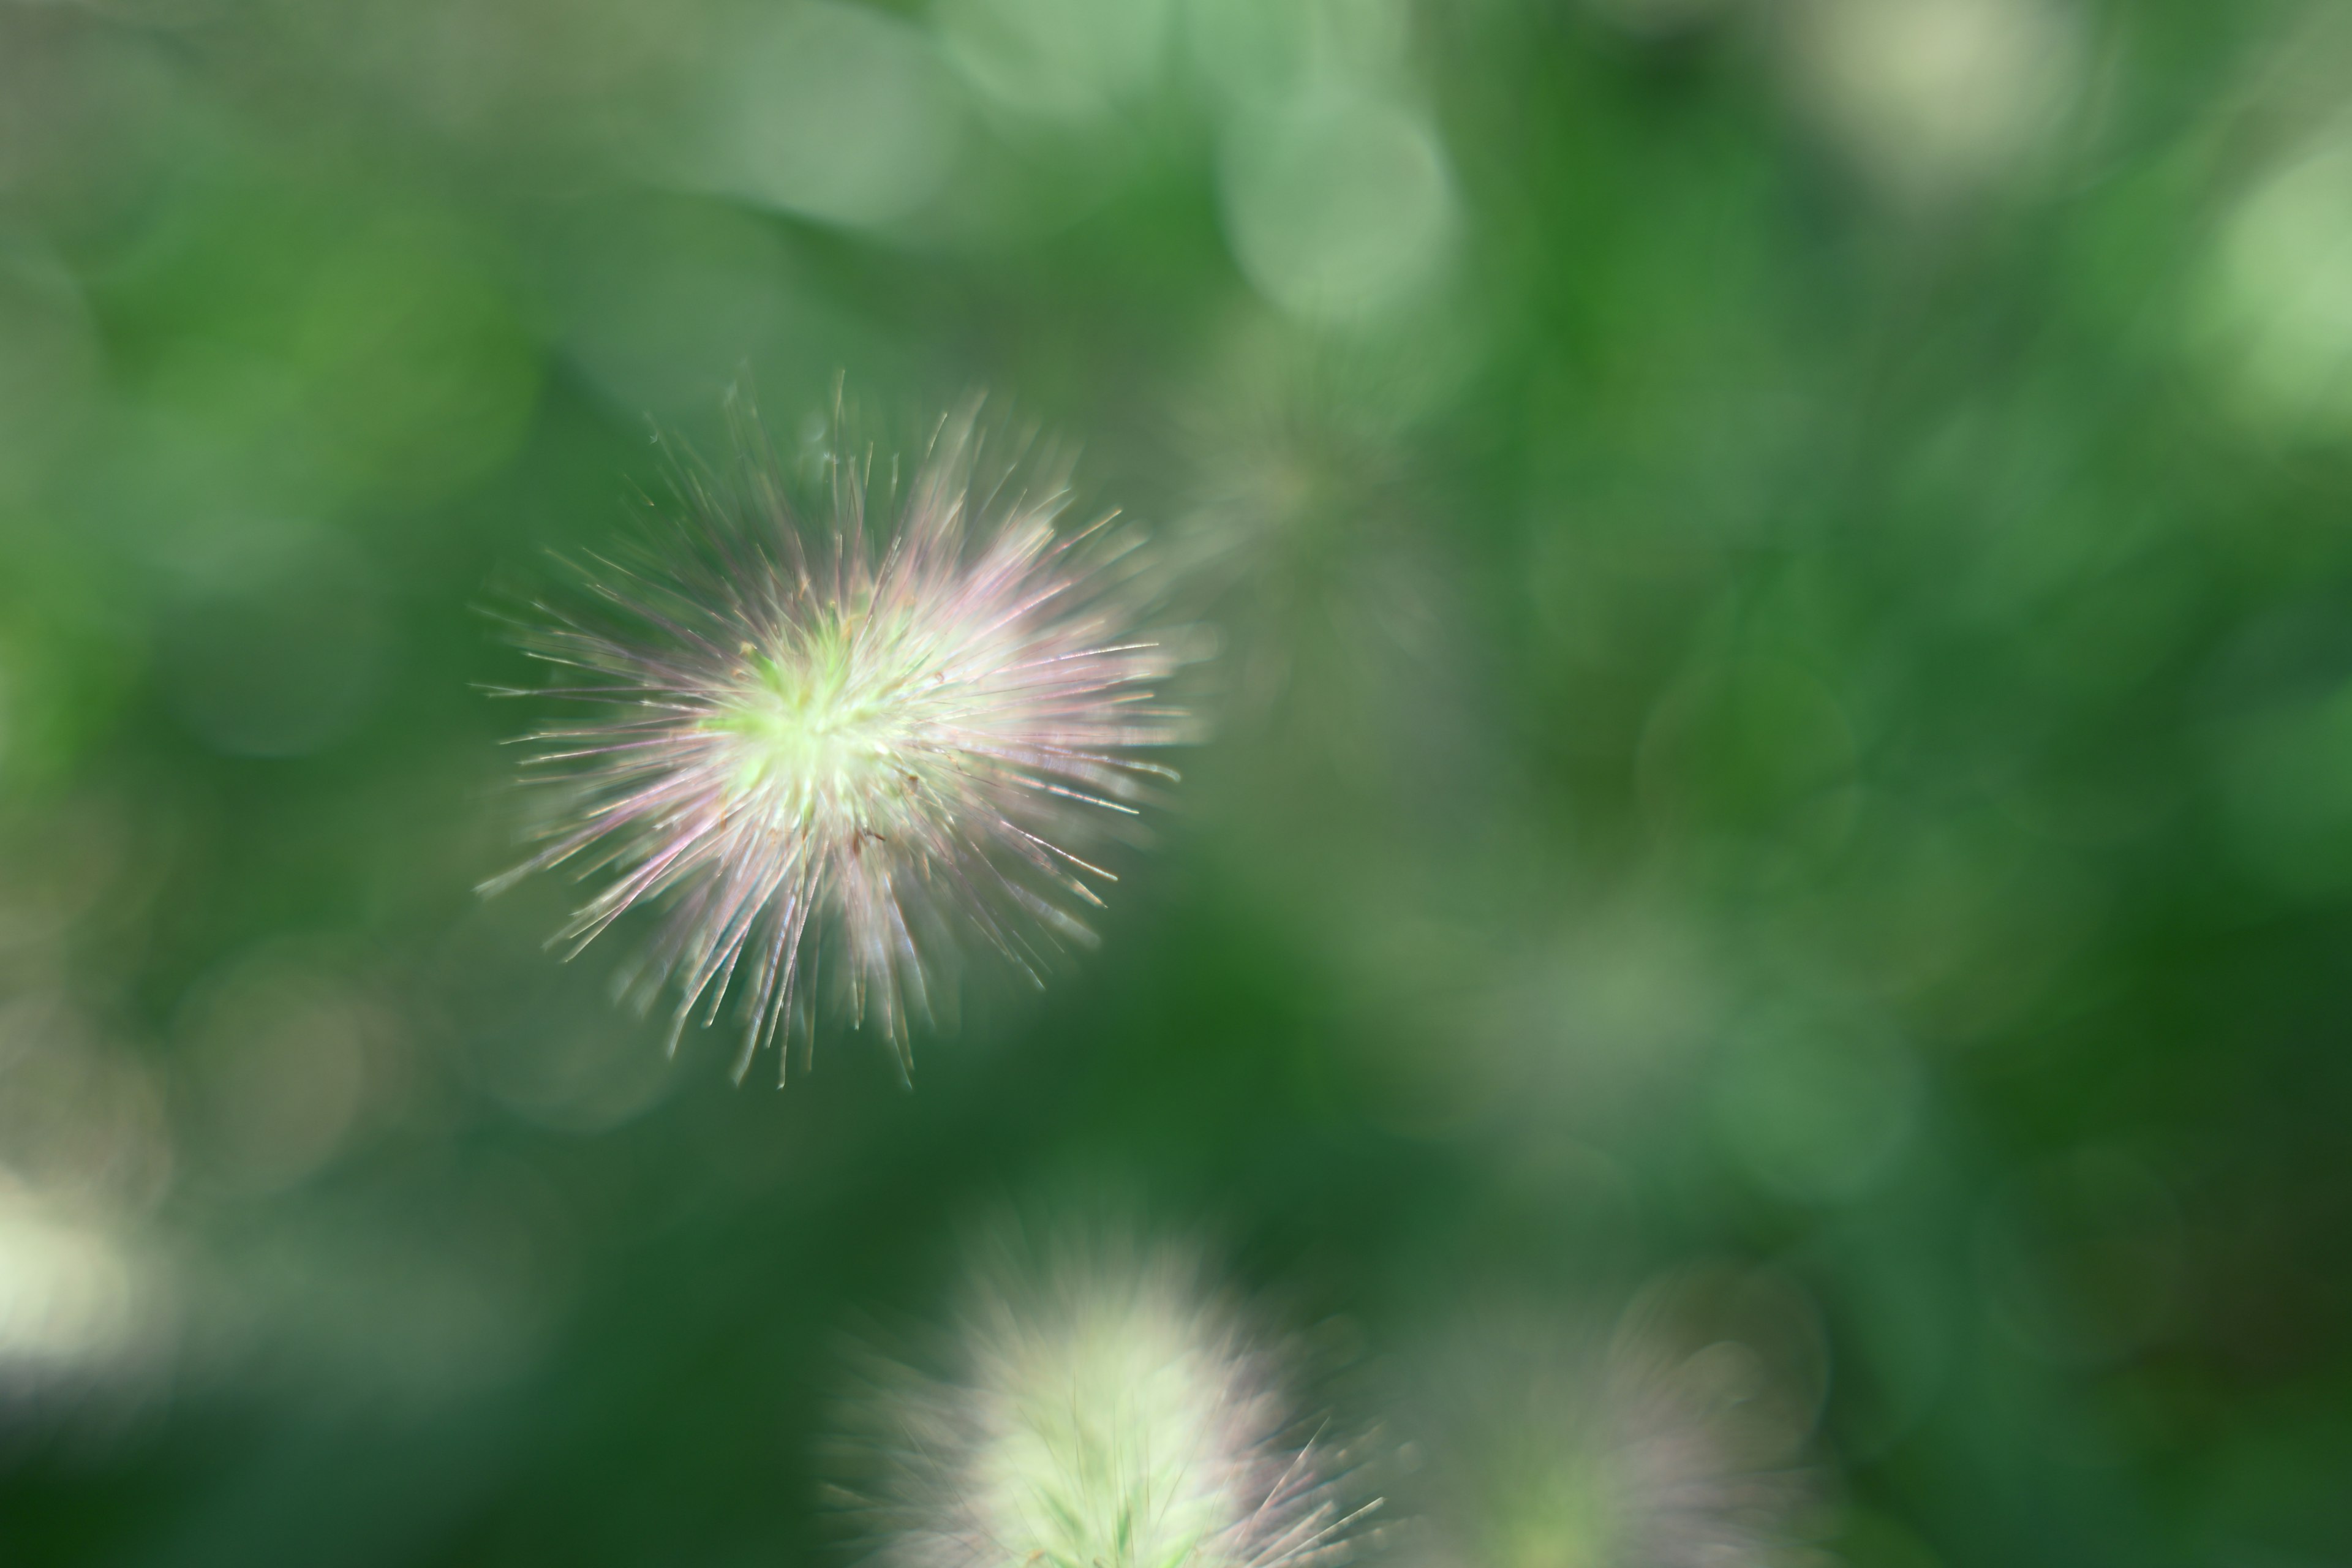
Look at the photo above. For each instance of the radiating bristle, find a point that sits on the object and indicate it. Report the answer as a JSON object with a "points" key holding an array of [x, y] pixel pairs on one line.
{"points": [[805, 736]]}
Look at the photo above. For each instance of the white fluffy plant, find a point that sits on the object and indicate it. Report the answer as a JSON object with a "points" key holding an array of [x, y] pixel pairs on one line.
{"points": [[871, 737], [1100, 1409]]}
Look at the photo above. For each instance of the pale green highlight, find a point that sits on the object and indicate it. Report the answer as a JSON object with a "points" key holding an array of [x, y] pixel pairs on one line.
{"points": [[838, 726], [1561, 1511], [1109, 1414], [1109, 1454]]}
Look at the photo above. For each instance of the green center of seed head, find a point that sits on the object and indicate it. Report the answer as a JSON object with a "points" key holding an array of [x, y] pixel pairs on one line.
{"points": [[818, 732], [1562, 1517]]}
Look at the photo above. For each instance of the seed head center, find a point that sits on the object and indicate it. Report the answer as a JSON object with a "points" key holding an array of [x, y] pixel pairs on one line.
{"points": [[823, 733]]}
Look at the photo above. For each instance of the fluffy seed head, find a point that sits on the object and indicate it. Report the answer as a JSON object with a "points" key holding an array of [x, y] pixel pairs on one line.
{"points": [[1573, 1450], [1102, 1413], [865, 741]]}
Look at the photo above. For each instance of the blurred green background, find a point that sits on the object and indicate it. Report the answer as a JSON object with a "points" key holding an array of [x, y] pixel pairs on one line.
{"points": [[1784, 575]]}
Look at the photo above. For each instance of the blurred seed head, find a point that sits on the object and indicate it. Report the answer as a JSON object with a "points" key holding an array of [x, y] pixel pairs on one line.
{"points": [[874, 741], [1101, 1409], [86, 1307], [1570, 1443], [1936, 99], [85, 1312]]}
